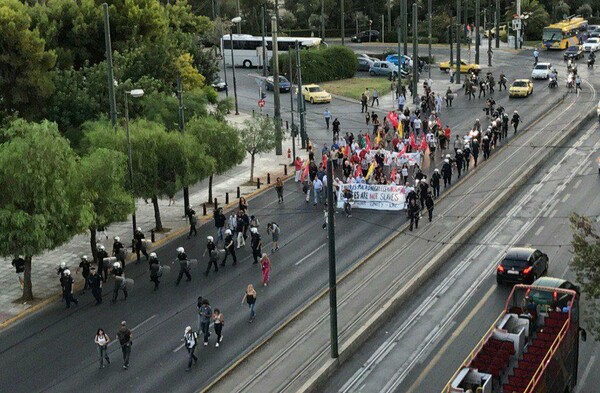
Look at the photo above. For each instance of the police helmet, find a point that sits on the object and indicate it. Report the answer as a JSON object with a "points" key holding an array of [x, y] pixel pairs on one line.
{"points": [[67, 272], [138, 229], [210, 238], [228, 231], [152, 255], [459, 151], [117, 239], [180, 250], [63, 265], [84, 258], [101, 247], [117, 265]]}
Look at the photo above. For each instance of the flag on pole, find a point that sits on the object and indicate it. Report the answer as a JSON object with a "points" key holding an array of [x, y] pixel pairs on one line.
{"points": [[368, 142], [413, 143], [347, 151], [324, 161], [400, 129], [371, 170], [304, 173]]}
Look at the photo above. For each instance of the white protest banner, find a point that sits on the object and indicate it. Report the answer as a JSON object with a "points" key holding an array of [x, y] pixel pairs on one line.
{"points": [[375, 197]]}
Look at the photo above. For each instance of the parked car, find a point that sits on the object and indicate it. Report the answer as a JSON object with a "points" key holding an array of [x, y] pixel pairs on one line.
{"points": [[465, 67], [492, 31], [315, 94], [218, 83], [284, 84], [366, 36], [592, 44], [393, 58], [574, 52], [364, 64], [365, 56], [520, 88], [521, 265], [383, 68], [541, 71]]}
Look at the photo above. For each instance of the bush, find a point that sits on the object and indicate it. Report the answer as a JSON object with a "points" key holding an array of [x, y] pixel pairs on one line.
{"points": [[323, 64]]}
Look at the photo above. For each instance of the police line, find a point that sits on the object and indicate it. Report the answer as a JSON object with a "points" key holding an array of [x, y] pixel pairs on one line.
{"points": [[375, 196]]}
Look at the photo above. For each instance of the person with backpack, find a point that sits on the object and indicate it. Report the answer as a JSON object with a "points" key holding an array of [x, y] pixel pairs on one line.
{"points": [[124, 335], [274, 230], [190, 339]]}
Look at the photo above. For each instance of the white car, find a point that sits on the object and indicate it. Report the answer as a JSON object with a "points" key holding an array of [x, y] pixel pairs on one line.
{"points": [[541, 71], [592, 44]]}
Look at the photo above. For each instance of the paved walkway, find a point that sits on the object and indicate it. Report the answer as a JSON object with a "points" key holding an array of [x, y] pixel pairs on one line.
{"points": [[45, 280]]}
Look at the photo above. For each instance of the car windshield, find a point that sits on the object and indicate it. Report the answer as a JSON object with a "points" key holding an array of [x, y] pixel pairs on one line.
{"points": [[315, 89], [518, 263], [283, 79], [552, 34], [542, 67], [520, 84], [592, 41], [572, 49]]}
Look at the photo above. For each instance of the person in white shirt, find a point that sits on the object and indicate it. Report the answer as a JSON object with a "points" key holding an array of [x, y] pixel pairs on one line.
{"points": [[102, 341]]}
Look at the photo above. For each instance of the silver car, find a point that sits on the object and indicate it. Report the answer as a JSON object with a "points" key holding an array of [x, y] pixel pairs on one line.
{"points": [[383, 68]]}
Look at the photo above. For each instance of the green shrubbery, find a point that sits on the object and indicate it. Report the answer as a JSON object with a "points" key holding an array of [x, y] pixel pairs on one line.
{"points": [[323, 64]]}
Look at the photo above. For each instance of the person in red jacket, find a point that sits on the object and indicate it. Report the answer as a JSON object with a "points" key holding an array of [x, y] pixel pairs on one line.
{"points": [[298, 162]]}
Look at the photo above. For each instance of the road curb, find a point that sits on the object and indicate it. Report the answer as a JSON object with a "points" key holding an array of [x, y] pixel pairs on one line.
{"points": [[387, 311], [157, 244], [326, 369]]}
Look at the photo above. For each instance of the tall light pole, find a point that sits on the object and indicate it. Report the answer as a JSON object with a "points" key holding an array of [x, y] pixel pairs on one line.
{"points": [[109, 68], [300, 99], [264, 43], [415, 51], [235, 21], [238, 12], [518, 32], [135, 93], [323, 20], [498, 24], [458, 39], [404, 13], [276, 100], [332, 270], [429, 6], [342, 21], [477, 38]]}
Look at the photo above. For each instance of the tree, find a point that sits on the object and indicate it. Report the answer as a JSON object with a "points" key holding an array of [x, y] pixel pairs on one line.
{"points": [[585, 10], [258, 137], [103, 172], [222, 143], [538, 17], [586, 265], [563, 8], [42, 203], [25, 81]]}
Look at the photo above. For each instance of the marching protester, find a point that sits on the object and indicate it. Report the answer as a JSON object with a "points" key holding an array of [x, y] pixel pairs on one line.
{"points": [[250, 298], [274, 230], [265, 265], [298, 165], [124, 335], [191, 340], [204, 316], [218, 322], [220, 221], [102, 341], [279, 190]]}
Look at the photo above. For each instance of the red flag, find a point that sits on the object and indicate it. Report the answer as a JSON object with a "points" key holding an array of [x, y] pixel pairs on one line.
{"points": [[413, 143], [368, 142], [304, 173], [348, 151], [424, 144], [393, 174], [404, 148], [324, 161], [358, 171]]}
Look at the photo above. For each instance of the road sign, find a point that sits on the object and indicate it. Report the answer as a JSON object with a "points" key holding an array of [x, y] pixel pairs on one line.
{"points": [[261, 103], [516, 24]]}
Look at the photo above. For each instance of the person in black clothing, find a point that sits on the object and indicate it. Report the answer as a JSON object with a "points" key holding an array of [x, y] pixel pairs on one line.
{"points": [[336, 128], [19, 264], [475, 152], [447, 173], [502, 81], [312, 170], [60, 271], [467, 155], [229, 248], [256, 244], [154, 269], [220, 221], [485, 145], [68, 288], [139, 237], [120, 283], [413, 214], [84, 265], [435, 182], [459, 158], [119, 250], [482, 88], [211, 248], [101, 254], [505, 121], [429, 204], [184, 265], [423, 191], [95, 283], [515, 120], [191, 214], [412, 196]]}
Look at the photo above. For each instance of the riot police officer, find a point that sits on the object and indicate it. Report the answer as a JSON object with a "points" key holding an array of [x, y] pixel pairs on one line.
{"points": [[154, 269], [184, 265], [139, 237], [120, 283]]}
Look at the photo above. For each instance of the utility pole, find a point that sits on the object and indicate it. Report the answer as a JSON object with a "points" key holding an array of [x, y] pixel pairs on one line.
{"points": [[490, 44], [264, 43], [332, 269], [109, 69], [429, 6], [405, 25], [389, 14], [498, 24], [300, 99], [238, 13], [233, 70], [294, 132], [458, 39], [342, 21], [451, 39], [276, 101], [382, 28], [323, 20], [477, 38], [186, 191], [518, 31], [415, 51]]}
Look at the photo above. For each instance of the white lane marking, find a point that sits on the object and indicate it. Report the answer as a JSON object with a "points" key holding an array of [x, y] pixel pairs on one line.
{"points": [[540, 229], [565, 198], [547, 212], [553, 213], [311, 254], [577, 184], [136, 327], [586, 372]]}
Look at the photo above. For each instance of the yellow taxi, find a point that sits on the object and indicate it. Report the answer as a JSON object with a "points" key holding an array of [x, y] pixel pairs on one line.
{"points": [[520, 88], [464, 67], [315, 94]]}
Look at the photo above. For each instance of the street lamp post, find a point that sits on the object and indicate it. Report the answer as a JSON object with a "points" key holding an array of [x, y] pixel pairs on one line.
{"points": [[135, 93], [236, 21], [276, 98]]}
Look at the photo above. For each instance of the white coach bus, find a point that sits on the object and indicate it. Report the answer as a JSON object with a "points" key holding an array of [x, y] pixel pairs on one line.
{"points": [[247, 49]]}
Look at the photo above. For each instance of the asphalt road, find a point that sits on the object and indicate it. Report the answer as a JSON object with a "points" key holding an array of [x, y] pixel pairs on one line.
{"points": [[53, 350], [421, 348]]}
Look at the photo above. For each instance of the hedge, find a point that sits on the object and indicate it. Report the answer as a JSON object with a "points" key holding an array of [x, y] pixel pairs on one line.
{"points": [[321, 65]]}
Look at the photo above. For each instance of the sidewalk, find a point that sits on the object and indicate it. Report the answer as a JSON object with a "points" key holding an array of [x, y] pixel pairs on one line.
{"points": [[45, 280]]}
